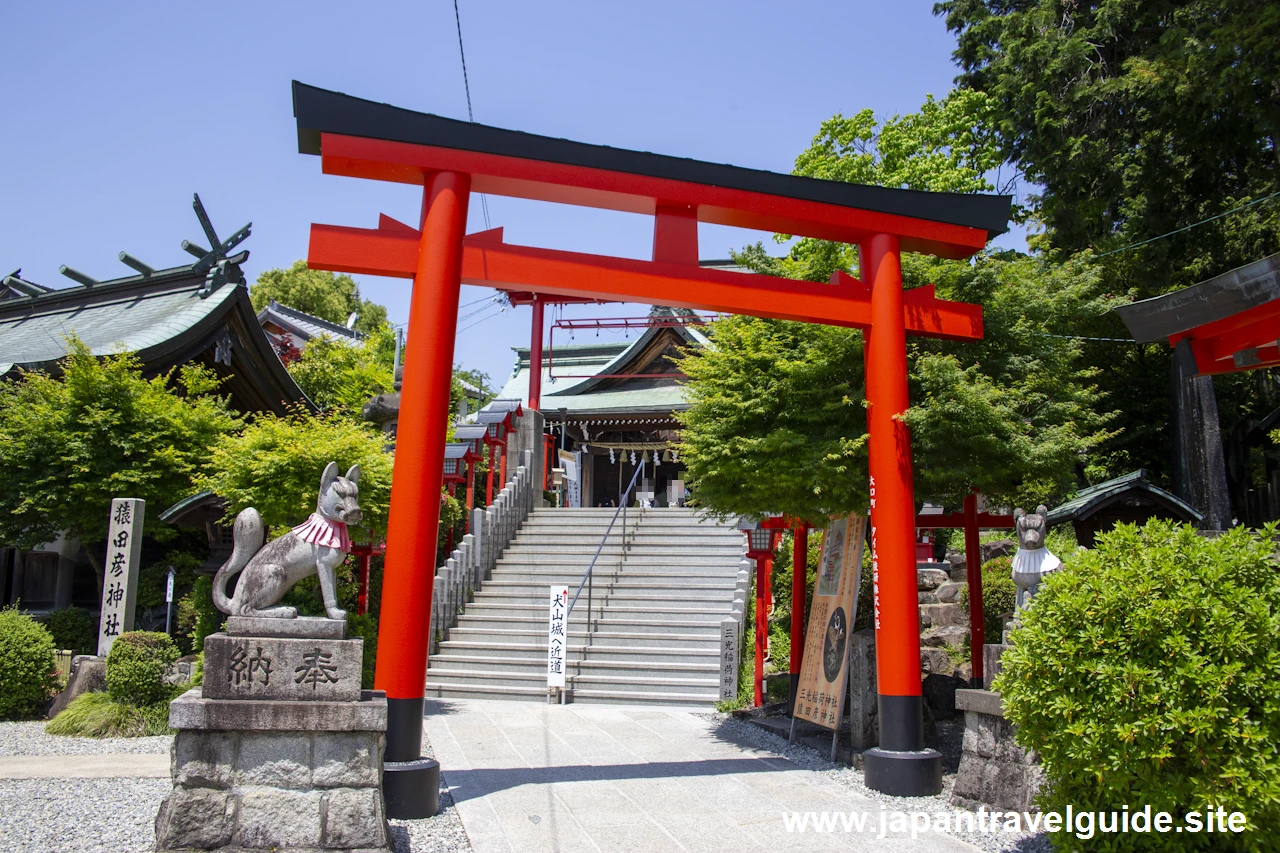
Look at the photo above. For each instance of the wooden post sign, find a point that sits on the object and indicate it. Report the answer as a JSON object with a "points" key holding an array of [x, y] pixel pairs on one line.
{"points": [[120, 571], [824, 672], [557, 636]]}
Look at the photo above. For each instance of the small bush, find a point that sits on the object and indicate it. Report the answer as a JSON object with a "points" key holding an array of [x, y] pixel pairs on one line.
{"points": [[198, 617], [136, 667], [98, 715], [999, 596], [73, 628], [367, 628], [1145, 672], [26, 665]]}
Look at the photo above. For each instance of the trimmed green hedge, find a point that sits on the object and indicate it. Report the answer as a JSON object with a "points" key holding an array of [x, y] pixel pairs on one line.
{"points": [[73, 628], [26, 665], [1147, 672], [136, 665]]}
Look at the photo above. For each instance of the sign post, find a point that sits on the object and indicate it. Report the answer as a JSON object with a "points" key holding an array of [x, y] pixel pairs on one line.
{"points": [[120, 572], [557, 639], [824, 672], [168, 601]]}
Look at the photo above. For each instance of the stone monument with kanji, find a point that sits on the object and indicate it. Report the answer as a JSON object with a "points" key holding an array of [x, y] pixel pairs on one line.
{"points": [[280, 749]]}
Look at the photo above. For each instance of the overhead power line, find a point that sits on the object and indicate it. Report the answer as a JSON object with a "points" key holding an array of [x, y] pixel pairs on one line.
{"points": [[466, 84], [1244, 206]]}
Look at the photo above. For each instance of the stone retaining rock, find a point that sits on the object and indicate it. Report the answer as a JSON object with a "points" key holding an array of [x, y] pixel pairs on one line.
{"points": [[88, 675], [949, 592]]}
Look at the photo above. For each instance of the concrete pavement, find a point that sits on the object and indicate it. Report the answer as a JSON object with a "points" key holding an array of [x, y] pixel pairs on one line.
{"points": [[528, 777], [155, 766]]}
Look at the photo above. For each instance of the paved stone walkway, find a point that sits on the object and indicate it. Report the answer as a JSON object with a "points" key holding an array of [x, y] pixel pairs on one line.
{"points": [[530, 777], [84, 766]]}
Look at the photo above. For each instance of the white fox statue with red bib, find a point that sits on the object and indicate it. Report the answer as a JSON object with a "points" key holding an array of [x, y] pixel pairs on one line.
{"points": [[318, 546]]}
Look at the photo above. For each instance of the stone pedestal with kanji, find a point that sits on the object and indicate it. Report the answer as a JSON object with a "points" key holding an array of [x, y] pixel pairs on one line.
{"points": [[280, 749]]}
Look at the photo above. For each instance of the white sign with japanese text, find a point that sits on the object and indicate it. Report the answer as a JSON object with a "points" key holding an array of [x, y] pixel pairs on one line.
{"points": [[557, 636], [120, 571]]}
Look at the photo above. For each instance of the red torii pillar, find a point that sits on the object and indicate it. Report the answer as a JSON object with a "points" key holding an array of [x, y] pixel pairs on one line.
{"points": [[415, 513]]}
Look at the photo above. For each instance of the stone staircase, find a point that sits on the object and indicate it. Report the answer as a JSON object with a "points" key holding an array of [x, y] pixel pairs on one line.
{"points": [[656, 609]]}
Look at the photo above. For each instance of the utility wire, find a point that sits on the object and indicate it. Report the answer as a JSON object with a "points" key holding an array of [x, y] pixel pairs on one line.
{"points": [[481, 320], [1192, 225], [484, 202]]}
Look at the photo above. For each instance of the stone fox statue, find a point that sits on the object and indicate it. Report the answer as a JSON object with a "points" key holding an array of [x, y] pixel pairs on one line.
{"points": [[318, 546]]}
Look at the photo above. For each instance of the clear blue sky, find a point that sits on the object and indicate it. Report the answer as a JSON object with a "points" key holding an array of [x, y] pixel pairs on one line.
{"points": [[114, 113]]}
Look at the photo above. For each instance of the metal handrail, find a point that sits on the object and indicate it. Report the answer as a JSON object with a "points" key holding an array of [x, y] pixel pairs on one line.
{"points": [[586, 577]]}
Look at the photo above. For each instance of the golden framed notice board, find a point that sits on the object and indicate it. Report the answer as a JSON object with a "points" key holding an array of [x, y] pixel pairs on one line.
{"points": [[824, 672]]}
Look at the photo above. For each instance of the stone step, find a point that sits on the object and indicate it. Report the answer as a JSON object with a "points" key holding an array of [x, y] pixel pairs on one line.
{"points": [[649, 669], [619, 583], [536, 595], [604, 612], [679, 560], [614, 549], [531, 636], [537, 575], [577, 649], [709, 627], [454, 690], [613, 683]]}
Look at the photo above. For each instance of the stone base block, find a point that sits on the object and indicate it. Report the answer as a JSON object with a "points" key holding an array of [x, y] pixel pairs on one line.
{"points": [[993, 769], [300, 627], [299, 790], [282, 668]]}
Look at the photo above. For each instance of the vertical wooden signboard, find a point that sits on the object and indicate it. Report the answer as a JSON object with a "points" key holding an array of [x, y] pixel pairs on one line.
{"points": [[120, 572], [824, 673], [557, 636]]}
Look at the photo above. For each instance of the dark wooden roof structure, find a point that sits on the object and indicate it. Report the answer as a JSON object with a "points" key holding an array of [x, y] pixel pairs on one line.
{"points": [[1224, 324], [198, 313], [1127, 499]]}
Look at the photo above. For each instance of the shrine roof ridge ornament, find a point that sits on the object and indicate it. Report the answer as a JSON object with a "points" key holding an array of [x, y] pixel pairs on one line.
{"points": [[516, 163]]}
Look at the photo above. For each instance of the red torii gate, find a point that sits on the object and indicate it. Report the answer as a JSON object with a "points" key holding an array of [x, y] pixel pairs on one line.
{"points": [[450, 159]]}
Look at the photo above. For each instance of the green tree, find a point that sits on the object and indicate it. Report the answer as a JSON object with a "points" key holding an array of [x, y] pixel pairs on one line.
{"points": [[777, 421], [70, 445], [1135, 120], [327, 295], [274, 465], [340, 377]]}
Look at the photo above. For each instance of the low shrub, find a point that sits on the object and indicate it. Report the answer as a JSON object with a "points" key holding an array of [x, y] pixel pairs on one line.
{"points": [[136, 667], [73, 628], [999, 596], [1145, 673], [99, 715], [26, 665]]}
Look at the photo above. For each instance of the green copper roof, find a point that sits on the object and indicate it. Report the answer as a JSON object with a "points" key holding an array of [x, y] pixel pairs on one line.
{"points": [[107, 323]]}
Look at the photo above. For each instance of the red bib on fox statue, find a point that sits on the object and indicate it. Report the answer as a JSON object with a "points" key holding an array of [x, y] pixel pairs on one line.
{"points": [[319, 530]]}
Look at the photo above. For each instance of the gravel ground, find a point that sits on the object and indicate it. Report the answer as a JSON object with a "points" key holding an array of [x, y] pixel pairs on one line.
{"points": [[118, 815], [745, 732], [30, 739], [80, 815]]}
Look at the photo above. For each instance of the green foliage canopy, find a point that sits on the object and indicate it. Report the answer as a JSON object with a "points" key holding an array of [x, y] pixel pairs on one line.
{"points": [[340, 378], [67, 447], [327, 295], [275, 464], [777, 422]]}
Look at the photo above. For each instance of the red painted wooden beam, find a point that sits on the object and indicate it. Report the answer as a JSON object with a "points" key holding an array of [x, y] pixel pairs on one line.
{"points": [[407, 163], [957, 520], [491, 263]]}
